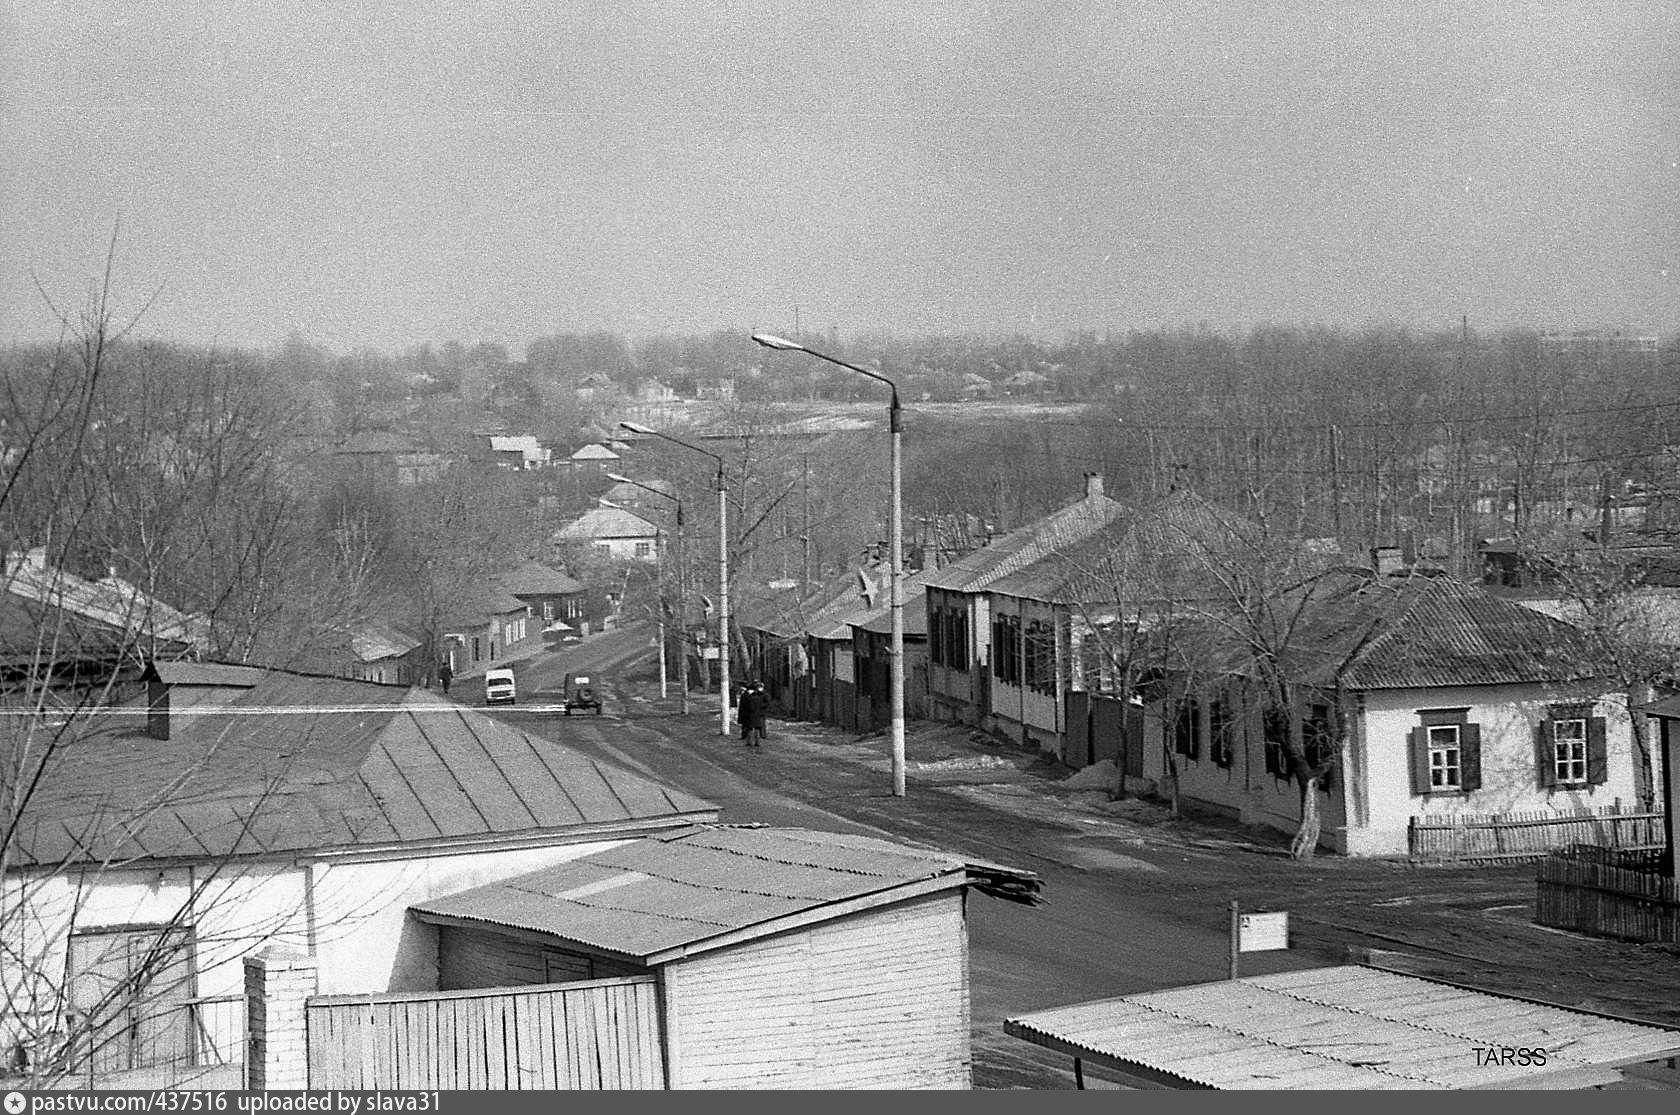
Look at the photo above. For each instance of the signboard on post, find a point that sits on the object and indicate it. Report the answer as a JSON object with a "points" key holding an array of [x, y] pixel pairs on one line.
{"points": [[1258, 932], [1263, 932]]}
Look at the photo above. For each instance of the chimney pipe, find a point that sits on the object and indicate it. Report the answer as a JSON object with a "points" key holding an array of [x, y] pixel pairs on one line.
{"points": [[157, 709], [1093, 486]]}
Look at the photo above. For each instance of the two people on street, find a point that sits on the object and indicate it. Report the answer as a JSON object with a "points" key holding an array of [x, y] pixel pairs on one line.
{"points": [[752, 709]]}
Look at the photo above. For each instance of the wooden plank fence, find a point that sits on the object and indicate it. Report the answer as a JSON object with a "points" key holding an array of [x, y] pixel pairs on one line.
{"points": [[599, 1034], [1598, 891], [1515, 837]]}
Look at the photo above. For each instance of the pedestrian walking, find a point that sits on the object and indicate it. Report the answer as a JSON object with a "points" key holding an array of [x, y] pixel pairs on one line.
{"points": [[445, 676], [754, 707]]}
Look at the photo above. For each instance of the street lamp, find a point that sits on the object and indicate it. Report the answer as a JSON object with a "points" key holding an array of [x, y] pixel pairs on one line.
{"points": [[895, 655], [682, 583], [723, 567]]}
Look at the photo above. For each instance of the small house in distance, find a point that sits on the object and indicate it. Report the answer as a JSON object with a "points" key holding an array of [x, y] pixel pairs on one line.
{"points": [[613, 532], [593, 460], [784, 958]]}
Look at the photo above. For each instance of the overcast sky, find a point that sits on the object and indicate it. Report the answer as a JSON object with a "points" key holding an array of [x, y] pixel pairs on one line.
{"points": [[381, 173]]}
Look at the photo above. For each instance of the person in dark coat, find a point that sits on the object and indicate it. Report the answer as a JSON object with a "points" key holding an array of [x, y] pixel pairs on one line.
{"points": [[445, 675], [755, 706]]}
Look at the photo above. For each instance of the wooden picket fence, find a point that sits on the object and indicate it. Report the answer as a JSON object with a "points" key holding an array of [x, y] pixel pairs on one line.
{"points": [[599, 1034], [1608, 894], [1515, 837]]}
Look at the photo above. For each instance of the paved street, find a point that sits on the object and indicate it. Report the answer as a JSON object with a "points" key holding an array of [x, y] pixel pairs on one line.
{"points": [[1135, 900]]}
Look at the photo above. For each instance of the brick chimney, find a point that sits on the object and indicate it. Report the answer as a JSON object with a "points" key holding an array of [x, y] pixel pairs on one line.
{"points": [[157, 708], [1093, 486], [1388, 561]]}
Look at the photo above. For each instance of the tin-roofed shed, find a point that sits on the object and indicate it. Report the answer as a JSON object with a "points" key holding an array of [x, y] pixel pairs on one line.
{"points": [[786, 958], [1347, 1027]]}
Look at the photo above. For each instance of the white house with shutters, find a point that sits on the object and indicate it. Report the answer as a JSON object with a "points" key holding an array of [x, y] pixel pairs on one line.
{"points": [[1433, 698]]}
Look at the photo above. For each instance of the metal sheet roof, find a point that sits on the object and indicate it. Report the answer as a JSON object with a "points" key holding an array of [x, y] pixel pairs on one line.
{"points": [[605, 522], [673, 891], [1022, 547], [1348, 1027], [205, 673], [301, 763]]}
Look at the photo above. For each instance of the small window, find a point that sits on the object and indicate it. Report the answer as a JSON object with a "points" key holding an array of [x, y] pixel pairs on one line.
{"points": [[1446, 753], [1446, 758], [1275, 724], [1570, 748], [643, 549], [1221, 733], [1186, 741], [1569, 751]]}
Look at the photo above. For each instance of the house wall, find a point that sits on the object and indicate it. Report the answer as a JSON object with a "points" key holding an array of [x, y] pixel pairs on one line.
{"points": [[960, 694], [1244, 790], [365, 938], [352, 916], [877, 1000], [472, 958], [1508, 715], [1017, 710], [625, 548]]}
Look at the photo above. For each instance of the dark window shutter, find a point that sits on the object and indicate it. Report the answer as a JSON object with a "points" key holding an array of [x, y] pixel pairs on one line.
{"points": [[1470, 757], [1420, 760], [1598, 753], [1545, 758]]}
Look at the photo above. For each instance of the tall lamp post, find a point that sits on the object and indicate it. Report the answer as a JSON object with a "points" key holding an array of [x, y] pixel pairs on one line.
{"points": [[723, 567], [682, 584], [895, 655]]}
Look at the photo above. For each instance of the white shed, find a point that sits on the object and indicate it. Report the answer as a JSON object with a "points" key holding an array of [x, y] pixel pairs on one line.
{"points": [[786, 958]]}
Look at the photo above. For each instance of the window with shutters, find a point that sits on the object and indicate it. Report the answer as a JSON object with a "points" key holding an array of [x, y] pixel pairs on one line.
{"points": [[1186, 742], [1319, 737], [936, 636], [1040, 665], [1221, 732], [1006, 649], [1572, 748], [1275, 725], [956, 647], [1446, 753], [1569, 751]]}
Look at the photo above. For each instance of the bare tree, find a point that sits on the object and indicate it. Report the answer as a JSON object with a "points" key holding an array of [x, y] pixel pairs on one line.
{"points": [[68, 645]]}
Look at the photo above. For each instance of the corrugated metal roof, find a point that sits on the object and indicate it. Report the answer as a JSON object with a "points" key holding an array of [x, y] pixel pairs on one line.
{"points": [[605, 522], [1434, 631], [1348, 1027], [660, 893], [374, 641], [1022, 547], [299, 763], [91, 609], [1397, 633], [879, 619], [1145, 554]]}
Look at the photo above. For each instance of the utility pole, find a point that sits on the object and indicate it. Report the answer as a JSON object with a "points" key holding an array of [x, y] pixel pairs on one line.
{"points": [[805, 526]]}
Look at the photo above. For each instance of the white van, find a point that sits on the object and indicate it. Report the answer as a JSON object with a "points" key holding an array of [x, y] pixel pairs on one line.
{"points": [[498, 687]]}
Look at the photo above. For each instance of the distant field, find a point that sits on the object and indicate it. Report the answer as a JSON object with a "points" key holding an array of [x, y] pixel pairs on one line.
{"points": [[821, 414]]}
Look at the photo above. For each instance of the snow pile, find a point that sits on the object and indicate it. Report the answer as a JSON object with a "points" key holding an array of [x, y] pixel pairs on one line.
{"points": [[1097, 776], [965, 762]]}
